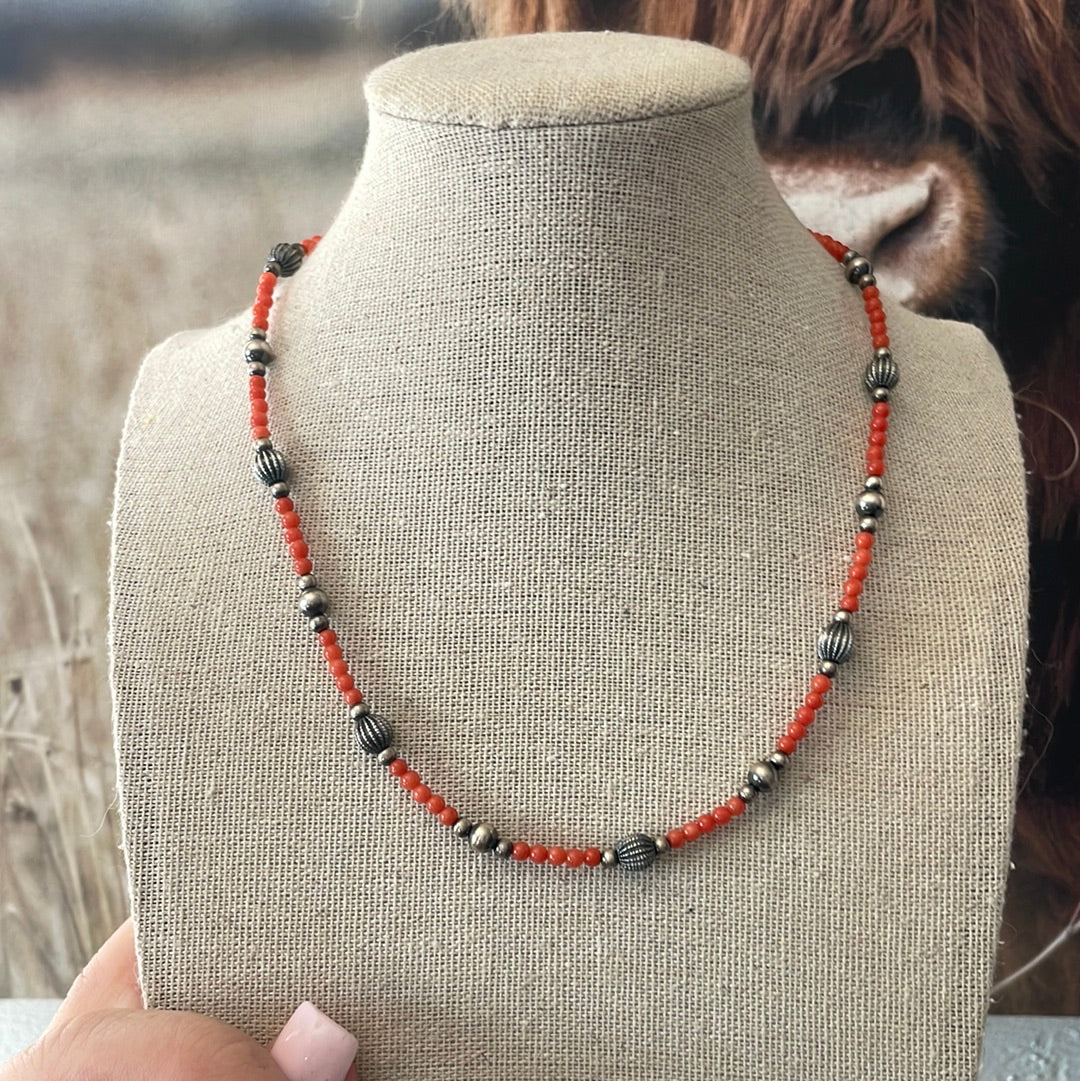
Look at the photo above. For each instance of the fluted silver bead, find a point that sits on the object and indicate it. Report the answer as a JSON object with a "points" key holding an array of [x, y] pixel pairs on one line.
{"points": [[636, 852], [462, 828], [882, 372], [777, 759], [258, 350], [483, 836], [313, 602], [270, 466], [609, 857], [504, 849], [372, 733], [762, 775], [288, 257], [747, 793], [828, 668], [836, 642], [306, 582], [857, 268], [318, 624], [279, 490], [384, 758], [870, 504]]}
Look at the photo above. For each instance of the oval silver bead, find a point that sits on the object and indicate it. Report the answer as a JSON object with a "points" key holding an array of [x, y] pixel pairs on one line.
{"points": [[483, 836], [373, 735], [836, 642], [762, 775], [384, 758], [636, 852], [882, 372], [288, 257], [270, 466]]}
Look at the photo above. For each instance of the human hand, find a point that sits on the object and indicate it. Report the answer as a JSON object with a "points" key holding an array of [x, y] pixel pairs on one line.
{"points": [[102, 1031]]}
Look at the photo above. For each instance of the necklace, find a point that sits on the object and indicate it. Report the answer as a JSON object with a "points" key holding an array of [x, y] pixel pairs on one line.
{"points": [[373, 733]]}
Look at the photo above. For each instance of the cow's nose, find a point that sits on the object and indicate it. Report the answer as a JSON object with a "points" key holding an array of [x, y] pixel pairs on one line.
{"points": [[920, 224]]}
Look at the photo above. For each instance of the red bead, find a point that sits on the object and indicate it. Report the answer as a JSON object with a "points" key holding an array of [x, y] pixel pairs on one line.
{"points": [[293, 535], [258, 322], [786, 744], [262, 432], [849, 603], [721, 815], [259, 315], [339, 667], [410, 779], [436, 804], [302, 566], [298, 549], [858, 571], [871, 291], [796, 731], [864, 540], [871, 305], [880, 341], [309, 244], [282, 506], [520, 851], [853, 587], [592, 857], [706, 823], [877, 439], [880, 409], [556, 856], [813, 700], [345, 683], [821, 684], [804, 715], [259, 408], [879, 424], [861, 556], [736, 805], [257, 389], [398, 767], [675, 838], [574, 857], [353, 696], [290, 519], [421, 793], [267, 279], [875, 466], [332, 652], [448, 816], [691, 831], [877, 325], [538, 854]]}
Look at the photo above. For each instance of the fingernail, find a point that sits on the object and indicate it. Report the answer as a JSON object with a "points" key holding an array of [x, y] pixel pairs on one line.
{"points": [[311, 1047]]}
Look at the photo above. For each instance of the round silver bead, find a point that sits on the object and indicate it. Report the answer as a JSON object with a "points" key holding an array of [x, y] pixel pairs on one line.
{"points": [[372, 733], [827, 668], [842, 616], [504, 849], [850, 254], [872, 483], [257, 349], [319, 623], [747, 793], [483, 837], [857, 268], [256, 367], [279, 490], [870, 504], [636, 852], [836, 642], [777, 759], [881, 394], [662, 844], [462, 827], [361, 709], [384, 758], [262, 444], [609, 857], [313, 602], [270, 466], [306, 582], [288, 257], [867, 525], [866, 281], [762, 775], [257, 332]]}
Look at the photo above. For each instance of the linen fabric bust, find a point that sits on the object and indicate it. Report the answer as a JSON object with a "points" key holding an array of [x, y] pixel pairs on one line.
{"points": [[576, 411]]}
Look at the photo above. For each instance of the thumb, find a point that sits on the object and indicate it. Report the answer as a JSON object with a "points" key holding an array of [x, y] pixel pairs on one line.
{"points": [[110, 979]]}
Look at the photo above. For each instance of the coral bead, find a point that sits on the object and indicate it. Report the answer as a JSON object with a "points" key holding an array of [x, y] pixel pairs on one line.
{"points": [[556, 856], [804, 715], [448, 816], [353, 696], [786, 745], [298, 549], [520, 851], [721, 815], [410, 779], [421, 793], [813, 700], [736, 805], [675, 838], [706, 823], [796, 730], [864, 540], [849, 603], [592, 857], [575, 857], [398, 767], [691, 831], [302, 566], [436, 804], [820, 684], [332, 652], [538, 854]]}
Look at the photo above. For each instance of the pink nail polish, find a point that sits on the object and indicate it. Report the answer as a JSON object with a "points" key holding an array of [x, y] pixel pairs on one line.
{"points": [[311, 1047]]}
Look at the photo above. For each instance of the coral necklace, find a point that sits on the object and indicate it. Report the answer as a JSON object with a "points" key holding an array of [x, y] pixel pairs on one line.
{"points": [[373, 734]]}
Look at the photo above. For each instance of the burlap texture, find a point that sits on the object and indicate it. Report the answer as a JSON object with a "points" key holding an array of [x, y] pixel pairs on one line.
{"points": [[576, 415]]}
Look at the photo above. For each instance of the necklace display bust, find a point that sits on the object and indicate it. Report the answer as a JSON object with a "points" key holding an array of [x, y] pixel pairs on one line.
{"points": [[576, 408]]}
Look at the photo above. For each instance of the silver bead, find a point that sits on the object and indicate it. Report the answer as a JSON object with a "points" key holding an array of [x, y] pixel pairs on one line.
{"points": [[306, 582], [836, 642], [279, 490], [867, 525], [662, 844], [270, 466], [288, 257], [272, 267], [361, 709], [872, 483], [636, 852], [850, 254], [881, 394], [313, 602], [828, 668], [257, 332], [504, 849], [882, 372], [262, 444], [866, 281], [258, 350], [747, 793], [318, 624], [384, 758], [777, 759], [483, 837], [372, 734], [462, 827], [609, 857], [762, 775], [857, 268], [870, 504], [842, 616], [256, 367]]}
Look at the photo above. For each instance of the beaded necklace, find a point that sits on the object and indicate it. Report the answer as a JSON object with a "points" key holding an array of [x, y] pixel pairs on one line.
{"points": [[373, 733]]}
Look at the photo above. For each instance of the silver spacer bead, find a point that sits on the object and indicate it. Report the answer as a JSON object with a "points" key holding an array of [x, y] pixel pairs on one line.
{"points": [[462, 827], [872, 483], [842, 617], [827, 668], [609, 857], [777, 759], [256, 367], [866, 281], [257, 334], [504, 849], [761, 775], [361, 709], [662, 844], [636, 852], [881, 394], [272, 267], [319, 623], [850, 254], [384, 758], [263, 444], [279, 490], [306, 582], [747, 793], [867, 525], [483, 836]]}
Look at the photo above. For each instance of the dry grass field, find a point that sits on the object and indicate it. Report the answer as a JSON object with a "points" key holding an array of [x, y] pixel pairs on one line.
{"points": [[131, 206]]}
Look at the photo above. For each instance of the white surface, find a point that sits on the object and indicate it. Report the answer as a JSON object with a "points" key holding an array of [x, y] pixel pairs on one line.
{"points": [[1016, 1048]]}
